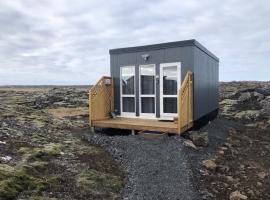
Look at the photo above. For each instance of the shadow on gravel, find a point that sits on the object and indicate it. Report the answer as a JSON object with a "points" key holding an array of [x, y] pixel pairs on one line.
{"points": [[113, 132]]}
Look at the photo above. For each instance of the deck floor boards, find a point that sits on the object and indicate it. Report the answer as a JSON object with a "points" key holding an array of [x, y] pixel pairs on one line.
{"points": [[137, 124]]}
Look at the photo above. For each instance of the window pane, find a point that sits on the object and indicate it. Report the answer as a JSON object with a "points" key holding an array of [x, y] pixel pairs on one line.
{"points": [[148, 104], [148, 70], [147, 84], [170, 80], [128, 80], [170, 105], [128, 104], [147, 74]]}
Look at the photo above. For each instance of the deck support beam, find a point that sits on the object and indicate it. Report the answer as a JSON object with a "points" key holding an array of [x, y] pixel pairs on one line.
{"points": [[92, 129]]}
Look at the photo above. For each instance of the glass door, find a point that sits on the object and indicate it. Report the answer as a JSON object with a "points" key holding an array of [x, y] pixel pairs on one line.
{"points": [[169, 85], [147, 93], [127, 85]]}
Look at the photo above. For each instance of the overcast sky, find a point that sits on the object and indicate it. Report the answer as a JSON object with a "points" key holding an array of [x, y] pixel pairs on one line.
{"points": [[68, 41]]}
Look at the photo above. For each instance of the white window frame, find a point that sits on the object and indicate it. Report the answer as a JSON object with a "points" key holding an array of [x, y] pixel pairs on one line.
{"points": [[127, 114], [147, 115], [169, 116]]}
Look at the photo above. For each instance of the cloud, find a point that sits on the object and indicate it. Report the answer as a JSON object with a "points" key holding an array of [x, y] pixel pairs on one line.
{"points": [[67, 41]]}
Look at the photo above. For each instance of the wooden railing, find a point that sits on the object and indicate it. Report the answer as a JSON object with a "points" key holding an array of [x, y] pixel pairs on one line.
{"points": [[101, 100], [185, 104]]}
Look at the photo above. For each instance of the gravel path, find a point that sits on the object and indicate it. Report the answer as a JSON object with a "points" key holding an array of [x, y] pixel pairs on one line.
{"points": [[156, 168]]}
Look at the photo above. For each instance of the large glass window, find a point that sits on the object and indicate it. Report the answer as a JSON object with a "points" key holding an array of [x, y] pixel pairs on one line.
{"points": [[128, 80], [170, 74], [170, 80], [148, 104], [128, 90], [147, 80], [128, 104], [147, 89], [170, 105]]}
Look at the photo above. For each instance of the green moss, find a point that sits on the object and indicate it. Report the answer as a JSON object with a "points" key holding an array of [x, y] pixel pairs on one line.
{"points": [[41, 198], [93, 182], [6, 171], [42, 153], [38, 138], [35, 168], [54, 182], [53, 149], [9, 189], [12, 182], [26, 175]]}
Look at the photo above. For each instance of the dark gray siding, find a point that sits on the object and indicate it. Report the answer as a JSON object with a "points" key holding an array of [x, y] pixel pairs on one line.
{"points": [[193, 57], [179, 54], [205, 83]]}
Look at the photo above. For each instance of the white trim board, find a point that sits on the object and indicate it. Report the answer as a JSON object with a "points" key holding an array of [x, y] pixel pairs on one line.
{"points": [[169, 116], [141, 114], [127, 114]]}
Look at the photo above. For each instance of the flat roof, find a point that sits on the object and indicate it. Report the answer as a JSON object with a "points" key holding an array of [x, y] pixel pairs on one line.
{"points": [[166, 45]]}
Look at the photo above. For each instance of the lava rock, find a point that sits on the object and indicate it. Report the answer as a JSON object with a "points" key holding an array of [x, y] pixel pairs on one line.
{"points": [[236, 195], [248, 115], [262, 175], [244, 97], [263, 91], [209, 164], [189, 143], [199, 139], [258, 96]]}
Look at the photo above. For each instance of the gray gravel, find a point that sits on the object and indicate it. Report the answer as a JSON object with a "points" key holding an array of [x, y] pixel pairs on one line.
{"points": [[156, 168]]}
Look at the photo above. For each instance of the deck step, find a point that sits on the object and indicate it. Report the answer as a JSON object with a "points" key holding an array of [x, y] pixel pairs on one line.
{"points": [[151, 134]]}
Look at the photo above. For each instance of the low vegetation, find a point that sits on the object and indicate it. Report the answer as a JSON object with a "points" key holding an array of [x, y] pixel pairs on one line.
{"points": [[42, 155]]}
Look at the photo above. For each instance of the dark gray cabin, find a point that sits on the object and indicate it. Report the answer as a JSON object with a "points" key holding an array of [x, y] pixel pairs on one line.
{"points": [[152, 75]]}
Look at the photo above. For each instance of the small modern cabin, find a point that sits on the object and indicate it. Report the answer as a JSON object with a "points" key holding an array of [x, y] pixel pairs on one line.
{"points": [[166, 87]]}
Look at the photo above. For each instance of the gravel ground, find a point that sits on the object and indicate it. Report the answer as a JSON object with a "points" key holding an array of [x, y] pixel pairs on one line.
{"points": [[156, 168], [161, 168]]}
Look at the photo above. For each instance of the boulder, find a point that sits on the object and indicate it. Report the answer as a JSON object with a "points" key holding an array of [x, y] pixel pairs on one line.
{"points": [[258, 96], [209, 164], [230, 179], [244, 97], [265, 104], [189, 143], [228, 102], [236, 195], [199, 138], [263, 91], [248, 114], [223, 168], [229, 95], [262, 175]]}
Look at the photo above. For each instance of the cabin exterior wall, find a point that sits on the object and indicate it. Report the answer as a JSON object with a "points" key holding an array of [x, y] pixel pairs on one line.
{"points": [[206, 82], [184, 55]]}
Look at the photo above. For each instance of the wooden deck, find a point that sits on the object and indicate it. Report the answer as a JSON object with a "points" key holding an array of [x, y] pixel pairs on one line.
{"points": [[101, 105], [137, 124]]}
